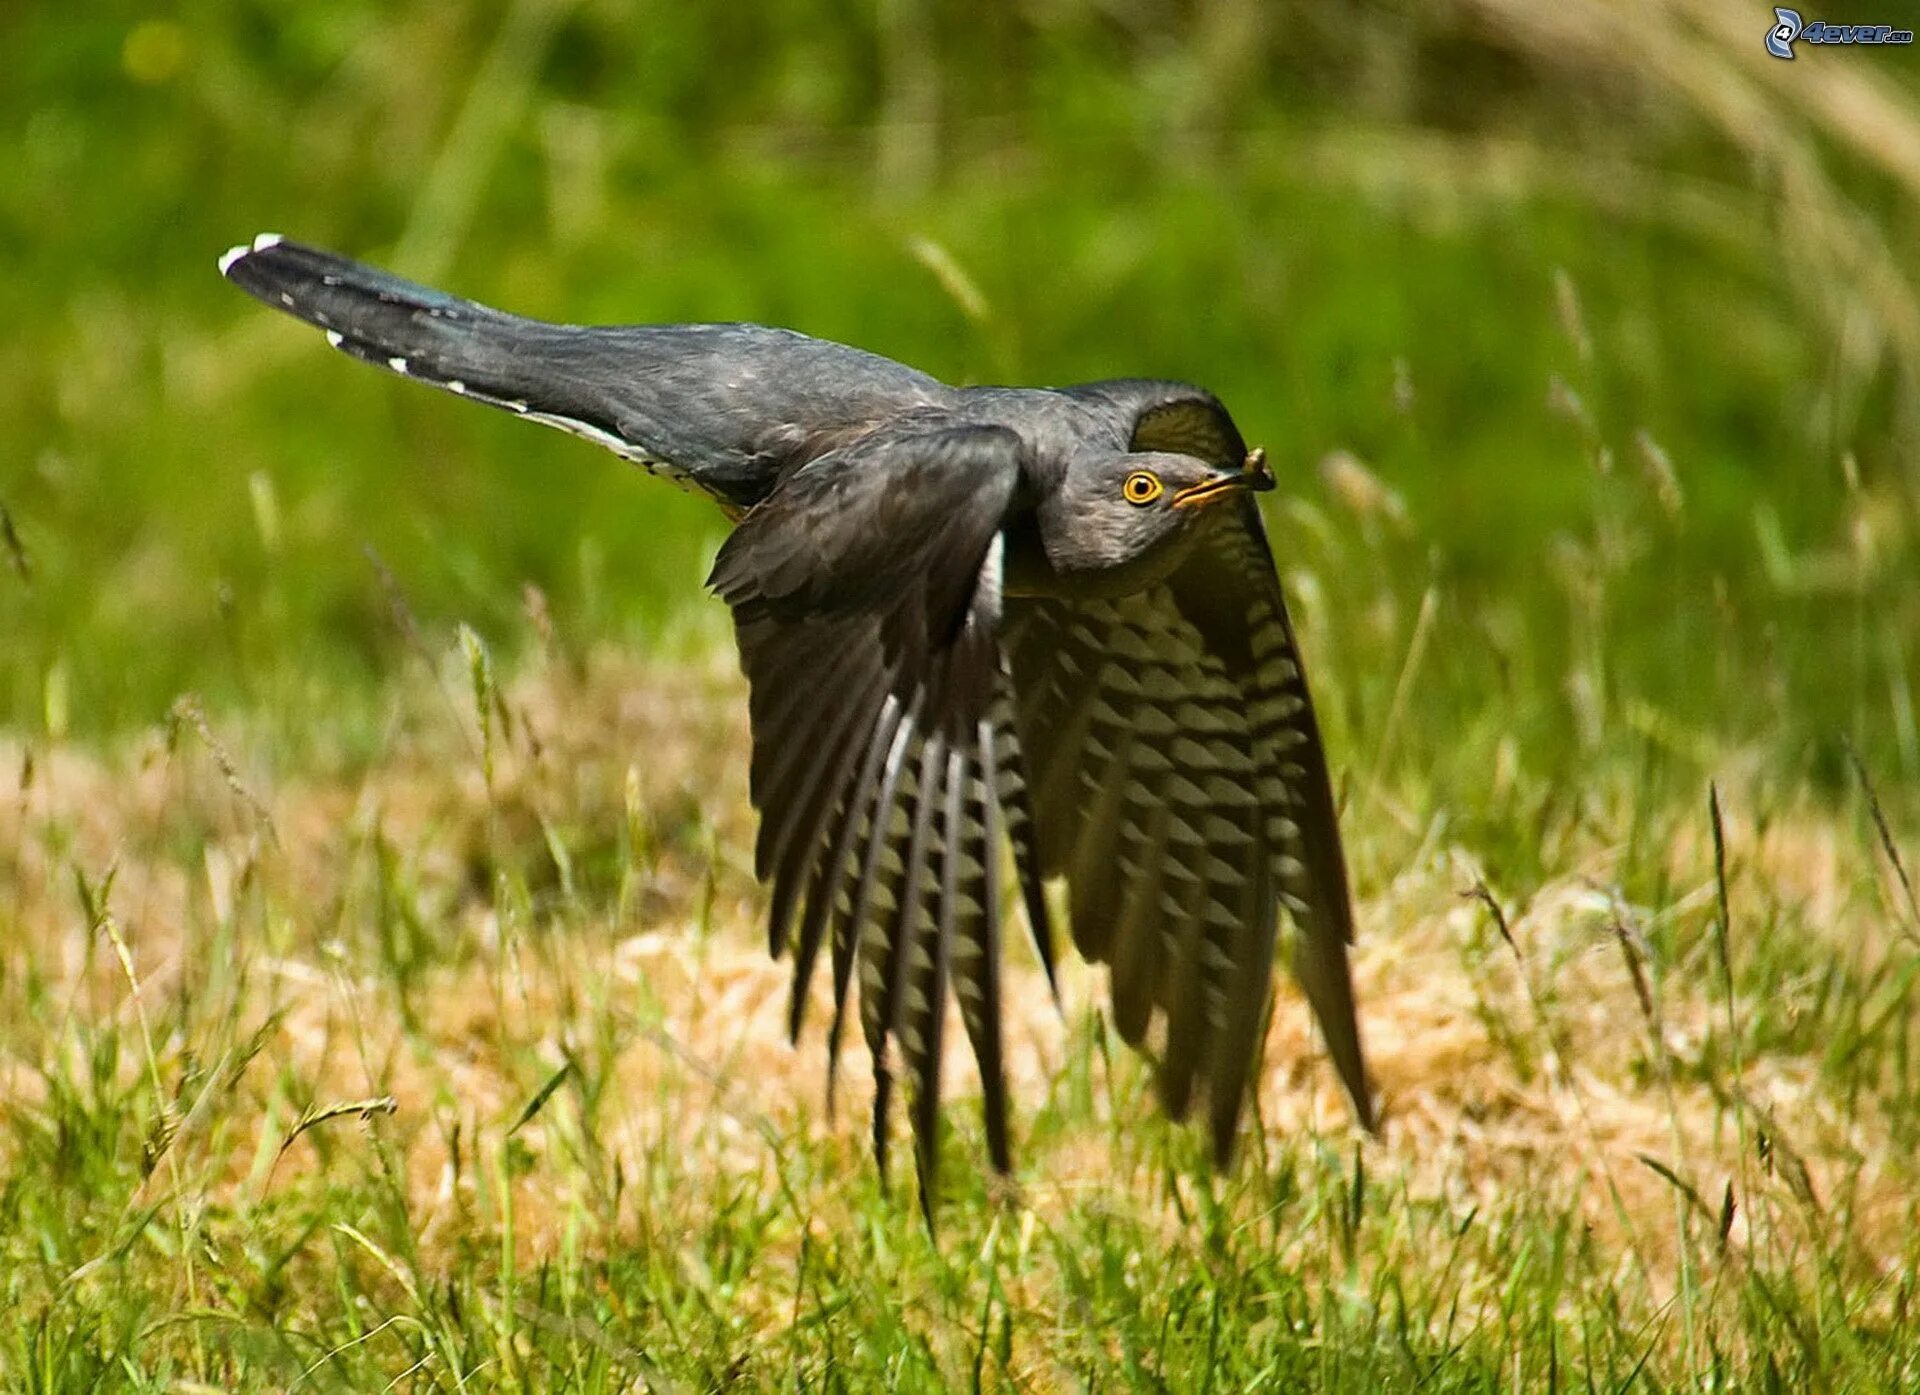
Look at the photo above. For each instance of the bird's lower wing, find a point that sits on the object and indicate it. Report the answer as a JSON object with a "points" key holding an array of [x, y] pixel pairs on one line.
{"points": [[1180, 788], [1145, 801], [1232, 591], [867, 601]]}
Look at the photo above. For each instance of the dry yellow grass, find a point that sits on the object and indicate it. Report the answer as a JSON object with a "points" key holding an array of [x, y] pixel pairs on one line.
{"points": [[1528, 1067]]}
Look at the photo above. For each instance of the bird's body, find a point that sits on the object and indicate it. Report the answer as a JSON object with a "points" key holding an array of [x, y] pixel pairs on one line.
{"points": [[968, 617]]}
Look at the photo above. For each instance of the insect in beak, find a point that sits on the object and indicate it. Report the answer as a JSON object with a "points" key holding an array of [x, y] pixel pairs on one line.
{"points": [[1254, 475], [1259, 478]]}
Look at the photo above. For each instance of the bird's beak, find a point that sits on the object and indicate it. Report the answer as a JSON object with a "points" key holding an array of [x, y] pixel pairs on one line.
{"points": [[1254, 475]]}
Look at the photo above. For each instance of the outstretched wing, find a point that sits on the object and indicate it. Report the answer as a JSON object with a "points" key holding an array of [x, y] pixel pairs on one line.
{"points": [[866, 592], [1180, 788], [725, 408]]}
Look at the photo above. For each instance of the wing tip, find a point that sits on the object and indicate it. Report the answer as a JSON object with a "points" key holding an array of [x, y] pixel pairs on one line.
{"points": [[1366, 1109], [928, 1206]]}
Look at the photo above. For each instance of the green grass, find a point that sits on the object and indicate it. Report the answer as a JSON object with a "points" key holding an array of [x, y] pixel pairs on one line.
{"points": [[449, 1077], [384, 999]]}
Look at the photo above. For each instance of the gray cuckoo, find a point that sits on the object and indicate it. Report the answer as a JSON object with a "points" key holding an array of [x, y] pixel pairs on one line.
{"points": [[966, 615]]}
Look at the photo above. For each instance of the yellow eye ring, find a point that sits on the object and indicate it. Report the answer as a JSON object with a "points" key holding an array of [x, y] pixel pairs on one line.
{"points": [[1142, 487]]}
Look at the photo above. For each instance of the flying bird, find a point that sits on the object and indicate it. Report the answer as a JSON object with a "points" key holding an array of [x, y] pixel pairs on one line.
{"points": [[970, 619]]}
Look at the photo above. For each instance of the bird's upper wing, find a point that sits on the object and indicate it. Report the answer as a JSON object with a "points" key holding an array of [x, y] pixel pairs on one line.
{"points": [[866, 592], [1157, 414], [724, 407]]}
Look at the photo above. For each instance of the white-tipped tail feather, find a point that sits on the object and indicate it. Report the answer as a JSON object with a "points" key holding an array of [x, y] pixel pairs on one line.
{"points": [[260, 243]]}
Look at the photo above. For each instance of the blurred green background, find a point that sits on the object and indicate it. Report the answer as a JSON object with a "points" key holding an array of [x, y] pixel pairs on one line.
{"points": [[1584, 336]]}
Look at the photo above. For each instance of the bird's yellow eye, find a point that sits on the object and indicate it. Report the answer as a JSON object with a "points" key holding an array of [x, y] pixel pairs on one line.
{"points": [[1142, 487]]}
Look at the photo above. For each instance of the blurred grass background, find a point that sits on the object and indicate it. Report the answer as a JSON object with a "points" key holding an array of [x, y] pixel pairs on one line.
{"points": [[1586, 340], [1616, 318]]}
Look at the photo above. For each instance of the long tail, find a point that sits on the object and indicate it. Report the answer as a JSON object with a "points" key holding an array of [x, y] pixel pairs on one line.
{"points": [[716, 406], [460, 345]]}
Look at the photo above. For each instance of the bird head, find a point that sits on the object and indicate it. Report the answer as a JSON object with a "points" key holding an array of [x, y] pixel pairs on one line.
{"points": [[1119, 521]]}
